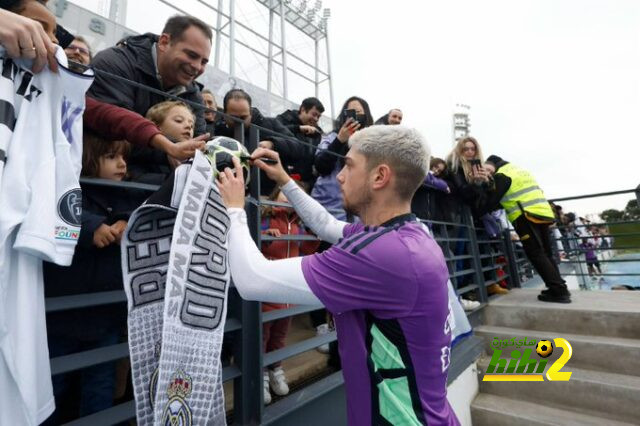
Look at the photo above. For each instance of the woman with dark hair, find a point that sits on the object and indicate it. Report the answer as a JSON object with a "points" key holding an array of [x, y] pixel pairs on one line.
{"points": [[354, 115]]}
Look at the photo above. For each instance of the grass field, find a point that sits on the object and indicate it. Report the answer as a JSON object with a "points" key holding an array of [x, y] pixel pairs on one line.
{"points": [[622, 239]]}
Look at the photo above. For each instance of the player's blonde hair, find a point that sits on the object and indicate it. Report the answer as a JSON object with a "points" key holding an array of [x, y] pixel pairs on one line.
{"points": [[404, 149]]}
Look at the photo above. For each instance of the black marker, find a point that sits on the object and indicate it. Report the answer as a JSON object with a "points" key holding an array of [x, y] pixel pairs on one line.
{"points": [[263, 159]]}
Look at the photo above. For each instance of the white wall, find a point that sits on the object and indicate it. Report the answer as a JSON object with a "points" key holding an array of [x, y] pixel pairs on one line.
{"points": [[462, 392]]}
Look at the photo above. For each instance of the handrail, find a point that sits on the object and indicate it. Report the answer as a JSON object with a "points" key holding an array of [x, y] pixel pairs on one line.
{"points": [[599, 194]]}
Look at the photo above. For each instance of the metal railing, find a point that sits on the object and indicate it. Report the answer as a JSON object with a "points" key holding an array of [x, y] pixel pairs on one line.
{"points": [[472, 258], [576, 240]]}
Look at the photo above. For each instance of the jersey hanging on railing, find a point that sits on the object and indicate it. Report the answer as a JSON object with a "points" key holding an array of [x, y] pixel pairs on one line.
{"points": [[40, 212], [176, 279]]}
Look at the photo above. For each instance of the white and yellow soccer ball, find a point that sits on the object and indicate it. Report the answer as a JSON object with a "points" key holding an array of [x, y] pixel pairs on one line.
{"points": [[221, 149], [544, 348]]}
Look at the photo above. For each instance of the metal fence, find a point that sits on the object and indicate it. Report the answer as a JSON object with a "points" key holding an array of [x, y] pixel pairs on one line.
{"points": [[574, 241], [473, 258]]}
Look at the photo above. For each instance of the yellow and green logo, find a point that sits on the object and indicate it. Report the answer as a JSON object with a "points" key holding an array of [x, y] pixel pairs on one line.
{"points": [[522, 367]]}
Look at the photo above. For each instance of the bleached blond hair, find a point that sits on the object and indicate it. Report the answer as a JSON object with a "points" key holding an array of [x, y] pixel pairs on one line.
{"points": [[404, 149]]}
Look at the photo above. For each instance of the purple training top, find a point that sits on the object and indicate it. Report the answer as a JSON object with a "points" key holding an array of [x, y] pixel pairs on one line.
{"points": [[387, 289]]}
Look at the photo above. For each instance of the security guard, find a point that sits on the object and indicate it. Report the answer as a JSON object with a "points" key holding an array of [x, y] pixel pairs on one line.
{"points": [[517, 192]]}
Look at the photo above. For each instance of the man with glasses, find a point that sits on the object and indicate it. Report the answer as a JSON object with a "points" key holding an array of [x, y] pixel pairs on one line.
{"points": [[78, 51]]}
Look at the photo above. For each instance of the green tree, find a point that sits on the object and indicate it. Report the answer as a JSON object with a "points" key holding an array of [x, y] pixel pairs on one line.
{"points": [[612, 215], [632, 211]]}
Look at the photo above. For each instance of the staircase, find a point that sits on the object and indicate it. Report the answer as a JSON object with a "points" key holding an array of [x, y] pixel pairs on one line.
{"points": [[603, 329]]}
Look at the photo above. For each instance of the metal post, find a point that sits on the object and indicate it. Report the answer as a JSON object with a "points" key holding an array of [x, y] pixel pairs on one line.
{"points": [[638, 194], [270, 57], [283, 46], [232, 38], [329, 77], [247, 389], [512, 261], [216, 61], [474, 250], [317, 77]]}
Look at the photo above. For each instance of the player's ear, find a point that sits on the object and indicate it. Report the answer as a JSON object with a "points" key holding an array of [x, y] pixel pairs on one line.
{"points": [[381, 176]]}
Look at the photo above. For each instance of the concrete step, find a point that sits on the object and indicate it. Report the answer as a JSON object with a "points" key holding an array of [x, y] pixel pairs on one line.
{"points": [[589, 392], [594, 313], [492, 410], [609, 354]]}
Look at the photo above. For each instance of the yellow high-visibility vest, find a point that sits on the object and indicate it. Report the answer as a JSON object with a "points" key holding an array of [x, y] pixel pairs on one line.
{"points": [[524, 194]]}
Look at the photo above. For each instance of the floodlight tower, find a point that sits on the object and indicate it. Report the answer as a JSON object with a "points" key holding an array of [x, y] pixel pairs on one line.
{"points": [[311, 21], [461, 122]]}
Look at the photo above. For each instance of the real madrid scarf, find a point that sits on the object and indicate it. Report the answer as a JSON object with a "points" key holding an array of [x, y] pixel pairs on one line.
{"points": [[178, 241]]}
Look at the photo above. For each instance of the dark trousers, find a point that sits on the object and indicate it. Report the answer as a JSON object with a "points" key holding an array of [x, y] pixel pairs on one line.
{"points": [[537, 246], [274, 336]]}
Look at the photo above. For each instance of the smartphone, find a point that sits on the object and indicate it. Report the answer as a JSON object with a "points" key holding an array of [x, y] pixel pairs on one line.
{"points": [[350, 113], [475, 162]]}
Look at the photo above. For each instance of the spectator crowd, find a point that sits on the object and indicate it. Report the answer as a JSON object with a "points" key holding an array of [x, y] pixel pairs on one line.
{"points": [[138, 135]]}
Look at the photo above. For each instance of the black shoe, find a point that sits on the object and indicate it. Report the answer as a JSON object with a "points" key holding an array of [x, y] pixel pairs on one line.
{"points": [[553, 297], [563, 292]]}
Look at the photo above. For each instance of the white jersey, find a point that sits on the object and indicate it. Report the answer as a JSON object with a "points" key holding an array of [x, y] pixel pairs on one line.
{"points": [[41, 142]]}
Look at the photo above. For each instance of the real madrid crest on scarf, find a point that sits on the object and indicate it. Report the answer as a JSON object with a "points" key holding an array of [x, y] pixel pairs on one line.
{"points": [[176, 278], [178, 412]]}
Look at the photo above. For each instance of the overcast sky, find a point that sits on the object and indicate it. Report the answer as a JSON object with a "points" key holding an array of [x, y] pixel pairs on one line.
{"points": [[553, 85]]}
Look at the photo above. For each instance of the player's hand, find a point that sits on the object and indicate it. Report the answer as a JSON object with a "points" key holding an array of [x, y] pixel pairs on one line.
{"points": [[274, 232], [308, 130], [119, 228], [266, 144], [275, 172], [103, 236], [232, 187], [186, 149], [25, 38], [348, 128]]}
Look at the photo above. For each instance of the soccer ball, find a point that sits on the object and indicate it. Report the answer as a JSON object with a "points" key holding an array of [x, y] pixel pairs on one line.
{"points": [[220, 150], [544, 348]]}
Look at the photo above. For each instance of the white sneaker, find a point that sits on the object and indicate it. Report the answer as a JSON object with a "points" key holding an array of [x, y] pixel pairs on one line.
{"points": [[278, 382], [321, 330], [469, 305], [267, 393]]}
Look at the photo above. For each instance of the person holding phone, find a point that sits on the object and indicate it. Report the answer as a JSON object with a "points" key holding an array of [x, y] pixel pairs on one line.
{"points": [[354, 116], [468, 181], [467, 175]]}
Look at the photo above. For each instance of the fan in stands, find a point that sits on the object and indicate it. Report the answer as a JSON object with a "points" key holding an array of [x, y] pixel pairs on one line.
{"points": [[220, 150]]}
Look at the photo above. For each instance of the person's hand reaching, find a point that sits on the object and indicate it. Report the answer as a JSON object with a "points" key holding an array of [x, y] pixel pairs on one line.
{"points": [[275, 172], [232, 186]]}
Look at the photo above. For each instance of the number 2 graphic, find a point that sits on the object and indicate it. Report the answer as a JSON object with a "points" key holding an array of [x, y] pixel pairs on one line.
{"points": [[554, 373]]}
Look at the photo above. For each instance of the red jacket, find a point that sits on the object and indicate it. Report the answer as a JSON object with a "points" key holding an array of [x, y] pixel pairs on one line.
{"points": [[116, 123], [287, 224]]}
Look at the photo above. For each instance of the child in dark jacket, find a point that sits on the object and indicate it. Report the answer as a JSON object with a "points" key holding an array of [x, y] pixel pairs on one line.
{"points": [[278, 222], [96, 267]]}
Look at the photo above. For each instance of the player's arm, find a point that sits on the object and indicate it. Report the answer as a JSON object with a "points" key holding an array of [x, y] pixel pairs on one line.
{"points": [[316, 217], [258, 278]]}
